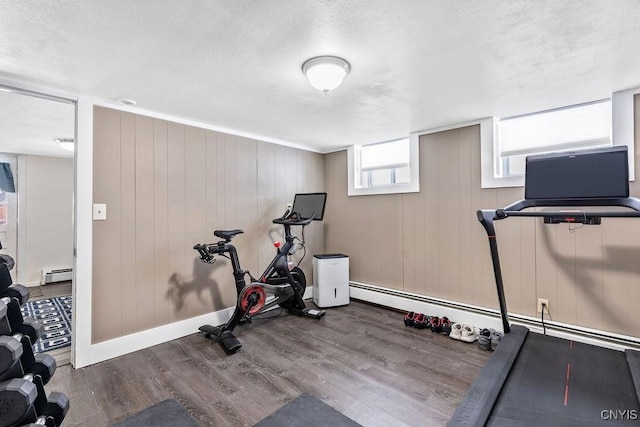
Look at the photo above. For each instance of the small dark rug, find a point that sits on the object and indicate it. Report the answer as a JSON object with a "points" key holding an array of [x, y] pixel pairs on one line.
{"points": [[55, 315], [169, 413], [306, 410]]}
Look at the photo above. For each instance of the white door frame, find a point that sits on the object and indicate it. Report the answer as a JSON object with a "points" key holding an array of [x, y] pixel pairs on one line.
{"points": [[61, 96]]}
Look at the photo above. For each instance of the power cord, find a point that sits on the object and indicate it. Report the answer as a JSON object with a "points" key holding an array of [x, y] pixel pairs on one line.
{"points": [[544, 327], [304, 248], [573, 227]]}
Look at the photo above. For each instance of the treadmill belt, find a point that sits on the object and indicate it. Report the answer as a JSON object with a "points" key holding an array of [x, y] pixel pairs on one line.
{"points": [[565, 383]]}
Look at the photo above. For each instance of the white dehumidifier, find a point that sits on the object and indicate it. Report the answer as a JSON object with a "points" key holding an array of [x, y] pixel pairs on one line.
{"points": [[330, 280]]}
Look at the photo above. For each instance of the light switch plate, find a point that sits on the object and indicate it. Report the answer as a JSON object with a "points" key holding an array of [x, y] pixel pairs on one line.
{"points": [[99, 212]]}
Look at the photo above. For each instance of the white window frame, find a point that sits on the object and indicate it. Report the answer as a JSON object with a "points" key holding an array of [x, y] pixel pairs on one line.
{"points": [[622, 132], [353, 170]]}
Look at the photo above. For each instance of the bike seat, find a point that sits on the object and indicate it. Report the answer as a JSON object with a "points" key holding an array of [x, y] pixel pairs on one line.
{"points": [[227, 234]]}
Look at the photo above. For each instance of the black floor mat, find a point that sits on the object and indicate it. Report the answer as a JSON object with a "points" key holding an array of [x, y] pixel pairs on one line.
{"points": [[169, 413], [306, 410]]}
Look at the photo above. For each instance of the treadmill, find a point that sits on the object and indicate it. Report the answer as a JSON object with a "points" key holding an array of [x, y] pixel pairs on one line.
{"points": [[535, 379]]}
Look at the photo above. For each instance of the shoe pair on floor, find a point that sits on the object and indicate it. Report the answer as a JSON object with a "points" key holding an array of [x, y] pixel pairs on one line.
{"points": [[464, 333], [441, 325], [488, 339], [417, 320]]}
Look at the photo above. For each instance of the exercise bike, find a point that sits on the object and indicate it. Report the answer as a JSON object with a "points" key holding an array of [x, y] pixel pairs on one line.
{"points": [[280, 284]]}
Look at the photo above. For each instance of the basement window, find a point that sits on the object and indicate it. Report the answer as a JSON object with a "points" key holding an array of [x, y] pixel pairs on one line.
{"points": [[506, 142], [384, 168], [564, 129]]}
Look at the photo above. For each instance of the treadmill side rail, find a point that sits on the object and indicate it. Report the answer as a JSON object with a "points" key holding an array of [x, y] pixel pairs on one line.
{"points": [[476, 407]]}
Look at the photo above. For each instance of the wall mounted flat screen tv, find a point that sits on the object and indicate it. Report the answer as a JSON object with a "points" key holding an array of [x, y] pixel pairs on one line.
{"points": [[305, 204], [584, 174]]}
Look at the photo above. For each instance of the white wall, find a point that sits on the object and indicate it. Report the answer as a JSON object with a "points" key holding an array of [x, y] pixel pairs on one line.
{"points": [[45, 232]]}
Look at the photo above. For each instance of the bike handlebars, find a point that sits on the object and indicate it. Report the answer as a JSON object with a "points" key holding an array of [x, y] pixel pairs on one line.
{"points": [[292, 218], [206, 251]]}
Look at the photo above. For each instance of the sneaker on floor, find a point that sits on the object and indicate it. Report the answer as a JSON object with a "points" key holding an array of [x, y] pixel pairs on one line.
{"points": [[485, 333], [434, 324], [445, 326], [484, 342], [420, 322], [468, 334], [496, 337], [409, 318], [456, 331]]}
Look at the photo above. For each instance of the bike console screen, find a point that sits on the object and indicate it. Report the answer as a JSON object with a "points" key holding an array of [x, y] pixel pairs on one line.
{"points": [[305, 204]]}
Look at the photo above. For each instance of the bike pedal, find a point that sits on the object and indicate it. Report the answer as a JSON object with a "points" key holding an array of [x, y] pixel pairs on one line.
{"points": [[312, 312]]}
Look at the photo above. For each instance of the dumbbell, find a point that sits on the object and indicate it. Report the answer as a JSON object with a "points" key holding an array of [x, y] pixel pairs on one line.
{"points": [[17, 349], [13, 323], [21, 293], [8, 260], [5, 276], [56, 409], [25, 401]]}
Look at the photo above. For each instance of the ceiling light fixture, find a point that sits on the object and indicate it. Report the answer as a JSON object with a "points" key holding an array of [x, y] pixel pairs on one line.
{"points": [[325, 73], [66, 143], [126, 101]]}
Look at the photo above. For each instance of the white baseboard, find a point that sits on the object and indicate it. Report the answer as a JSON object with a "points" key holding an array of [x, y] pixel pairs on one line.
{"points": [[140, 340], [31, 284], [308, 292], [474, 316]]}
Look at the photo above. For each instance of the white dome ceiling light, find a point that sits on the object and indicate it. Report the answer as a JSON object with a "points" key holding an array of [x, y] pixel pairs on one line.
{"points": [[126, 101], [326, 73]]}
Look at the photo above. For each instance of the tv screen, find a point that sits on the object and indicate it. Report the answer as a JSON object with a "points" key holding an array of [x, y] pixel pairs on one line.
{"points": [[305, 204], [585, 174]]}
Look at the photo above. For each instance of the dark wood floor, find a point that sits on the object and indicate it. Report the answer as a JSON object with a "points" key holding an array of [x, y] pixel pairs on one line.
{"points": [[52, 290], [359, 359]]}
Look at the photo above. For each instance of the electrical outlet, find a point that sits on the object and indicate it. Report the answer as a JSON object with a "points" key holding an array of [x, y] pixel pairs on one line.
{"points": [[546, 305], [289, 206]]}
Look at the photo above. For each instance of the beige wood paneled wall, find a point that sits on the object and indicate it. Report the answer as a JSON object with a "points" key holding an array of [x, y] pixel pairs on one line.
{"points": [[168, 186], [431, 243]]}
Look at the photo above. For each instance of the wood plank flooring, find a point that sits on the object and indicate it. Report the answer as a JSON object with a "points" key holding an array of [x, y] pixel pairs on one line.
{"points": [[360, 359], [52, 290]]}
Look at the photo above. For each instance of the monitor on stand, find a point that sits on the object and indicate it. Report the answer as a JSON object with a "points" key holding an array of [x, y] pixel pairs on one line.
{"points": [[305, 204], [601, 173]]}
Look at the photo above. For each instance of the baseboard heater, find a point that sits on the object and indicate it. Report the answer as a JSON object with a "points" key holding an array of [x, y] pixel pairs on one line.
{"points": [[58, 275]]}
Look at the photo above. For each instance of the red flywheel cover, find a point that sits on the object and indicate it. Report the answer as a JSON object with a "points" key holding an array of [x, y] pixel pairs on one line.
{"points": [[244, 299]]}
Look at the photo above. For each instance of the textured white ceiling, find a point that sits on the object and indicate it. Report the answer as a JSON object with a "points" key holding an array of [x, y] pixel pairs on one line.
{"points": [[28, 125], [415, 64]]}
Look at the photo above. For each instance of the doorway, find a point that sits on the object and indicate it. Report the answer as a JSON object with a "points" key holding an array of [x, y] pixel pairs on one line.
{"points": [[38, 226]]}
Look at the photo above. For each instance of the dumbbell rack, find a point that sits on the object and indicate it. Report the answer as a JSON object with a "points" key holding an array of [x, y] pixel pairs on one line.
{"points": [[23, 375]]}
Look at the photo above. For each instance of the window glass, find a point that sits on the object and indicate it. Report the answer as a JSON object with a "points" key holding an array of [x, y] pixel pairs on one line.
{"points": [[571, 128], [379, 163], [378, 156], [383, 168]]}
